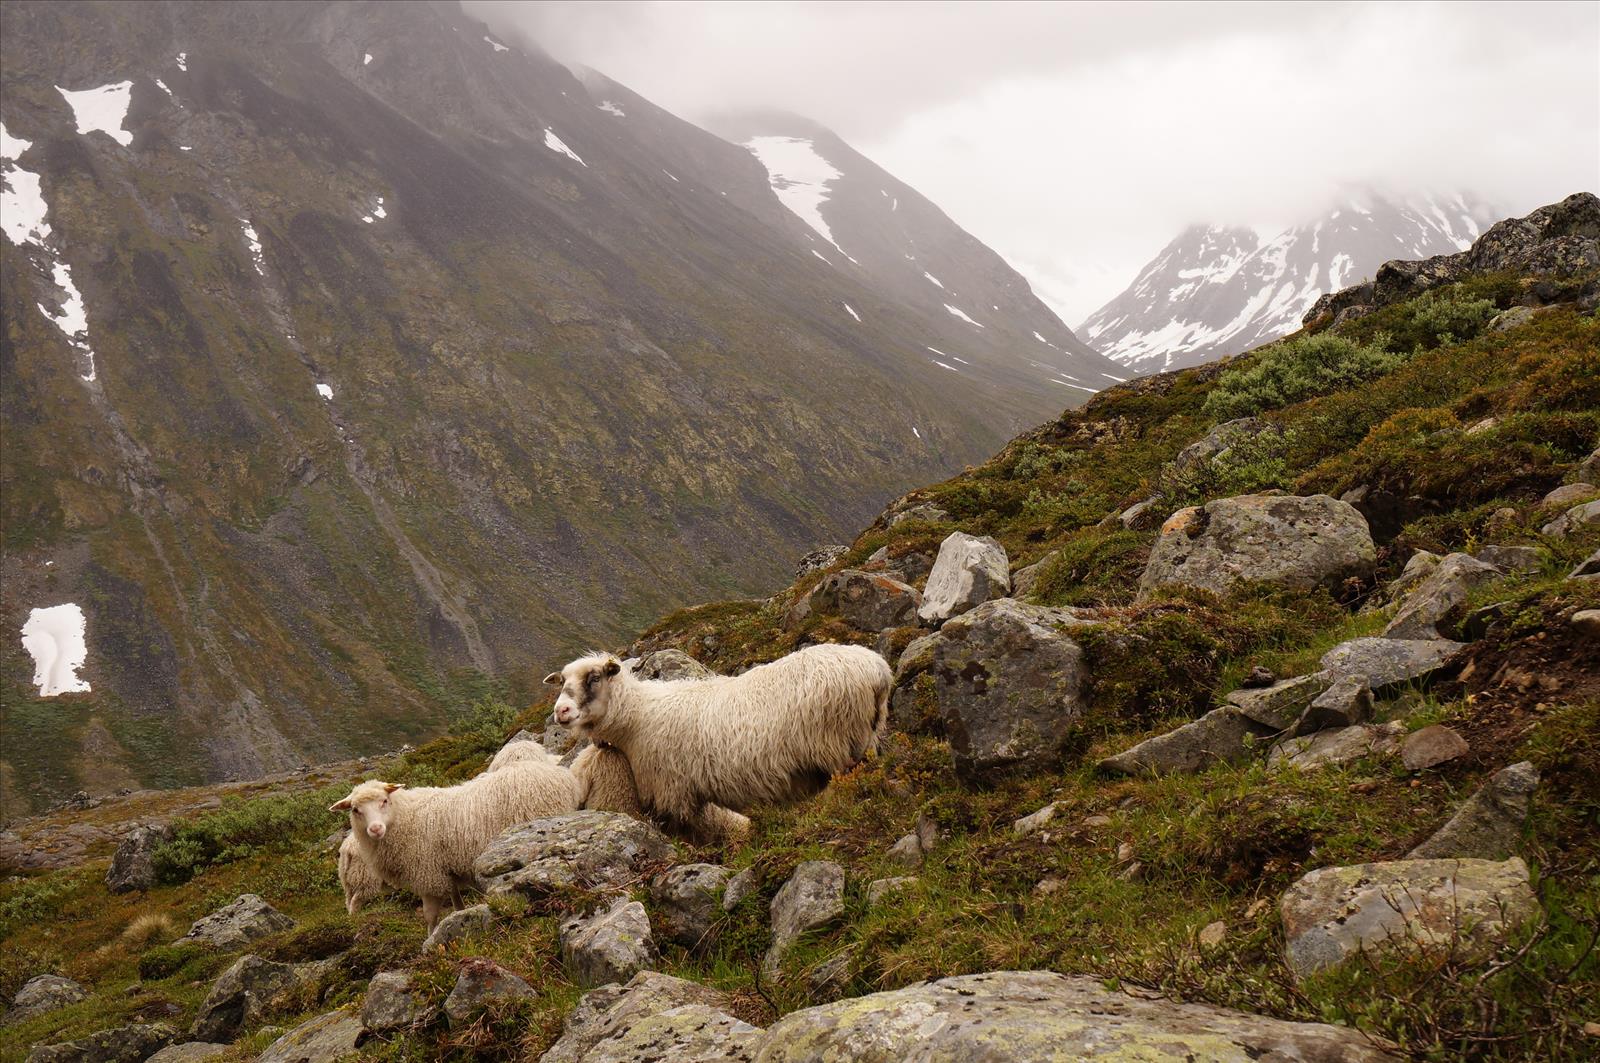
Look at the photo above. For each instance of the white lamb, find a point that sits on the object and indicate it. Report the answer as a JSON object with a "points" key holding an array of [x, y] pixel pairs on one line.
{"points": [[360, 882], [425, 839], [777, 733]]}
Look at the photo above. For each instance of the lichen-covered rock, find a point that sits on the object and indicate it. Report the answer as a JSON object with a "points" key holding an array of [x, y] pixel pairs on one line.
{"points": [[1141, 516], [1225, 735], [1027, 1016], [812, 898], [1387, 663], [870, 601], [240, 997], [1418, 568], [1338, 746], [611, 945], [1034, 822], [324, 1039], [1568, 495], [612, 1009], [1344, 704], [1335, 913], [1579, 516], [821, 557], [190, 1052], [458, 926], [1278, 706], [969, 571], [1513, 558], [1007, 682], [1488, 825], [1299, 543], [923, 511], [668, 665], [589, 850], [120, 1044], [1193, 460], [393, 1002], [238, 923], [480, 983], [690, 1033], [42, 993], [1431, 747], [881, 888], [687, 900], [133, 864], [741, 886], [1440, 594]]}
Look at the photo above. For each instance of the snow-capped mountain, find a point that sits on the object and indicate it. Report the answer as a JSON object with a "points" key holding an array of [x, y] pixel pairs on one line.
{"points": [[1218, 290]]}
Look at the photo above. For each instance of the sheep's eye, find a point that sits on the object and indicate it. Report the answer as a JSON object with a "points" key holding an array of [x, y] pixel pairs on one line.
{"points": [[358, 811], [591, 678]]}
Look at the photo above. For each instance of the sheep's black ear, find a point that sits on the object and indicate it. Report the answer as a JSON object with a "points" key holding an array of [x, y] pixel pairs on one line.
{"points": [[341, 805], [554, 679], [613, 666]]}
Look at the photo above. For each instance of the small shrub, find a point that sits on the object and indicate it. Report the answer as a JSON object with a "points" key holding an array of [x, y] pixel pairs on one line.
{"points": [[242, 828], [1254, 463], [487, 719], [1441, 317], [1299, 369], [164, 961], [1097, 566], [148, 928]]}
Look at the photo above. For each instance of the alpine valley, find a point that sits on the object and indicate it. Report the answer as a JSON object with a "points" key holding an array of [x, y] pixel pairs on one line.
{"points": [[359, 364]]}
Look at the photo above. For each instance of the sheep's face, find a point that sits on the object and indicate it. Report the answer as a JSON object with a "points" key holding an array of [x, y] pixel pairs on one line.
{"points": [[369, 807], [586, 688]]}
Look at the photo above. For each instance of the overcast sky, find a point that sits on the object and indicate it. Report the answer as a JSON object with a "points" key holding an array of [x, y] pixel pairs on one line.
{"points": [[1078, 139]]}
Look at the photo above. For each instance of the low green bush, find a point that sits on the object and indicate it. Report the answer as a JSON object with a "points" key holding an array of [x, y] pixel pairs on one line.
{"points": [[1299, 369]]}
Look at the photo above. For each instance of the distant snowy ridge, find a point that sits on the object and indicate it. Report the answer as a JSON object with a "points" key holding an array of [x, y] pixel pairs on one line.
{"points": [[1218, 290]]}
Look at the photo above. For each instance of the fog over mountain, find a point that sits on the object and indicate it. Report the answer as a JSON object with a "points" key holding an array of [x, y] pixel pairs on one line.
{"points": [[1077, 140]]}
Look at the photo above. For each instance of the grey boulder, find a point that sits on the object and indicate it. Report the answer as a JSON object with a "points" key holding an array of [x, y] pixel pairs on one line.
{"points": [[1337, 746], [42, 993], [393, 1002], [1278, 706], [1580, 516], [1488, 825], [611, 1010], [1295, 542], [870, 601], [1344, 704], [1432, 746], [1407, 906], [812, 898], [237, 924], [240, 997], [687, 900], [457, 926], [1007, 682], [611, 945], [689, 1033], [324, 1039], [1522, 559], [1038, 1016], [1386, 663], [1438, 596], [670, 664], [481, 983], [1222, 736], [821, 557], [190, 1052], [133, 864], [120, 1044], [968, 572], [587, 850]]}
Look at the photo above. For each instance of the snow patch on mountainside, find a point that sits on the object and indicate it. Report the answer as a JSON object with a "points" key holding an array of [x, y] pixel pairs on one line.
{"points": [[556, 144], [610, 108], [103, 109], [55, 638], [957, 312], [799, 177]]}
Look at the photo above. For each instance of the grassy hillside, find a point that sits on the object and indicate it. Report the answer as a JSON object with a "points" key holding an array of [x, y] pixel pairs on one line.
{"points": [[1465, 428]]}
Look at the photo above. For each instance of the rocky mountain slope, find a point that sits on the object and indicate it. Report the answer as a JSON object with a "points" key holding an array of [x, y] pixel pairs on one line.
{"points": [[1248, 712], [1219, 290], [355, 359]]}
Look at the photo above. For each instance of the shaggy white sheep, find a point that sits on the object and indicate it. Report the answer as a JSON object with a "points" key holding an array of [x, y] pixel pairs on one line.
{"points": [[605, 781], [776, 733], [521, 751], [360, 882], [425, 839]]}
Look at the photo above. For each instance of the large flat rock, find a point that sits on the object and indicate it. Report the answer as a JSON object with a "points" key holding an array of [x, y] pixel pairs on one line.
{"points": [[588, 850]]}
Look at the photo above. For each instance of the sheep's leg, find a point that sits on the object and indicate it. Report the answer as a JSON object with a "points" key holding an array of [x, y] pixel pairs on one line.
{"points": [[431, 907]]}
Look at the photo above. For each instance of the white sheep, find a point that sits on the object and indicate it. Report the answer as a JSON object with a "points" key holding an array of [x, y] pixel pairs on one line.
{"points": [[360, 882], [605, 782], [425, 839], [521, 751], [777, 733]]}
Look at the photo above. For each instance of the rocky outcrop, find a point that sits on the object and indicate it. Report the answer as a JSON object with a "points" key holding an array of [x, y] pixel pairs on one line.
{"points": [[870, 601], [458, 926], [240, 998], [1561, 239], [1280, 705], [1439, 595], [969, 571], [1195, 459], [1335, 913], [1299, 543], [121, 1044], [1582, 515], [687, 900], [1041, 1015], [393, 1002], [693, 1033], [611, 1010], [42, 993], [1488, 825], [133, 865], [324, 1039], [239, 923], [812, 898], [1221, 736], [588, 850], [670, 664], [481, 983], [1389, 663], [821, 557], [1007, 682], [611, 945]]}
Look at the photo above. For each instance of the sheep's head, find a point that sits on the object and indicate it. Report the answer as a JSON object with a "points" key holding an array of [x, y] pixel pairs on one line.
{"points": [[369, 808], [586, 688]]}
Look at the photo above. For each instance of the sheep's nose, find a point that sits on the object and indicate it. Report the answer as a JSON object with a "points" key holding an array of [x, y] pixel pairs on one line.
{"points": [[375, 830]]}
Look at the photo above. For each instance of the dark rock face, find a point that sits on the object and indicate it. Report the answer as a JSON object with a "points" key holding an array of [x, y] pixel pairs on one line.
{"points": [[1562, 238], [133, 866], [1008, 682], [611, 945], [240, 997], [871, 601]]}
